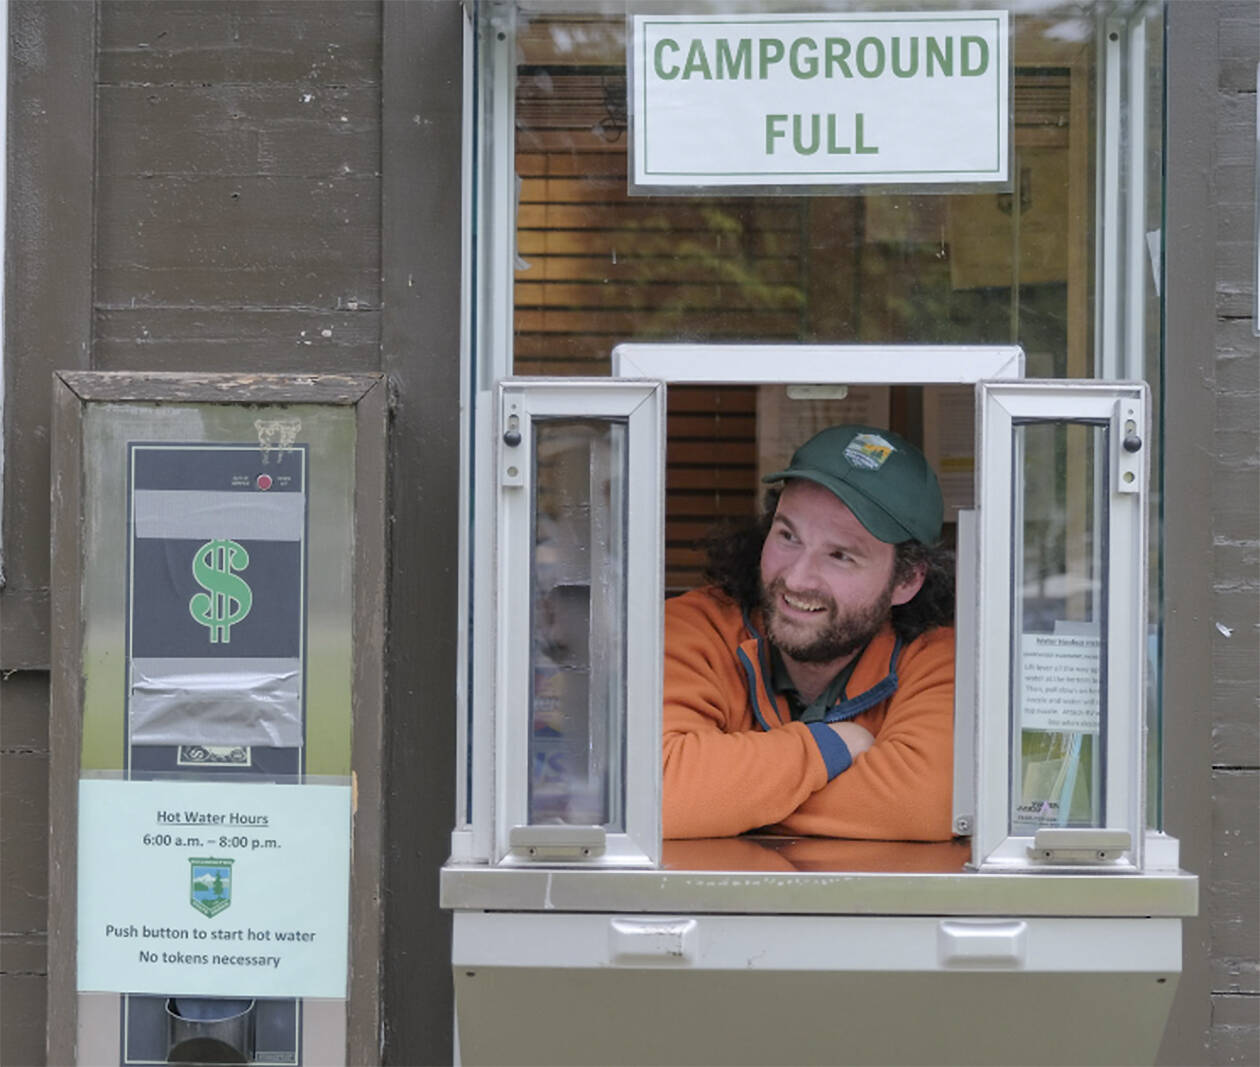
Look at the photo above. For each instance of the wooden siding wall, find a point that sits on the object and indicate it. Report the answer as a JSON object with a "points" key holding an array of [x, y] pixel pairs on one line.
{"points": [[238, 186], [197, 185], [193, 187], [47, 281], [1231, 900]]}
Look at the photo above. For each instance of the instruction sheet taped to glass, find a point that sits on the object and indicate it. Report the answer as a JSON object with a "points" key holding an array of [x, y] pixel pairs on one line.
{"points": [[213, 888]]}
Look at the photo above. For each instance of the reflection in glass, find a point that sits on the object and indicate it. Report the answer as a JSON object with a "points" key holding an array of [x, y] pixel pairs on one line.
{"points": [[1059, 610], [595, 264], [578, 604]]}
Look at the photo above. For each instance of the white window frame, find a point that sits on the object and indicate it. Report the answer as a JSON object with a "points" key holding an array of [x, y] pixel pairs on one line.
{"points": [[489, 191], [1125, 409], [641, 405], [796, 364], [793, 364]]}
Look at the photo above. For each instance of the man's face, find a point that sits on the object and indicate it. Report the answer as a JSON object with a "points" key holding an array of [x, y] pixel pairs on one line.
{"points": [[827, 584]]}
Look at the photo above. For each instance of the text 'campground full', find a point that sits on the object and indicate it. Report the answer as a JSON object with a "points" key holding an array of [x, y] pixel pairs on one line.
{"points": [[831, 57]]}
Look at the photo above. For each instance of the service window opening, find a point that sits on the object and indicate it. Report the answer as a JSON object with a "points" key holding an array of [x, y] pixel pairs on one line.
{"points": [[572, 257]]}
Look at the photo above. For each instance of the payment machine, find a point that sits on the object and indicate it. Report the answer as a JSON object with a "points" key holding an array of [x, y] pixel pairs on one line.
{"points": [[216, 700]]}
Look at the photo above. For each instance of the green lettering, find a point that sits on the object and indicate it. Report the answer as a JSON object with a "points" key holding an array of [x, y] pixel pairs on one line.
{"points": [[801, 148], [942, 59], [834, 148], [809, 66], [866, 67], [907, 71], [697, 62], [657, 58], [730, 66], [837, 52], [770, 51], [862, 149], [970, 69], [772, 132]]}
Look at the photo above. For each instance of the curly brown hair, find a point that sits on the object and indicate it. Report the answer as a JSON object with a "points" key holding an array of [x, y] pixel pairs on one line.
{"points": [[733, 563]]}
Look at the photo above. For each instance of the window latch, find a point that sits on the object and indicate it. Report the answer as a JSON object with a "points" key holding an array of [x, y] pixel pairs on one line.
{"points": [[1069, 845], [556, 843]]}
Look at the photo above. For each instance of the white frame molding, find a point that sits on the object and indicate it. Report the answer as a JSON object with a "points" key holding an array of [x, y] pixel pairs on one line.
{"points": [[641, 405], [1003, 405], [793, 364]]}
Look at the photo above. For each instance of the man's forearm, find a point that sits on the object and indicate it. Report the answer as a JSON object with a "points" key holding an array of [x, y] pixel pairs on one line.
{"points": [[717, 784]]}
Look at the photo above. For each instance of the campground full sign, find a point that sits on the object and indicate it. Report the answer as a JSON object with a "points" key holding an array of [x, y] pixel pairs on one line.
{"points": [[914, 98]]}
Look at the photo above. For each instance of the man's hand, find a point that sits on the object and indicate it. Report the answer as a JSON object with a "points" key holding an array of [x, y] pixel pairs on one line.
{"points": [[858, 738]]}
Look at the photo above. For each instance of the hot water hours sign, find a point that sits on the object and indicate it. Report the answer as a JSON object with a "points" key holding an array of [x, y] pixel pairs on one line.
{"points": [[839, 99]]}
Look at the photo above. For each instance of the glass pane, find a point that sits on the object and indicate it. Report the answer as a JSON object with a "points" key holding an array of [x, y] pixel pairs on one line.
{"points": [[1059, 612], [595, 265], [578, 607], [1050, 263]]}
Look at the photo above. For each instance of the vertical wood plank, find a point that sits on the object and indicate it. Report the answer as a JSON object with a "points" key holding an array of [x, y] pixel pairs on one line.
{"points": [[65, 732], [1191, 80], [421, 242], [363, 1023], [48, 266]]}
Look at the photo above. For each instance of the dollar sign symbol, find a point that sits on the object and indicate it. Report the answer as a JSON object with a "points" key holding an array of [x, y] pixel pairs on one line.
{"points": [[228, 598]]}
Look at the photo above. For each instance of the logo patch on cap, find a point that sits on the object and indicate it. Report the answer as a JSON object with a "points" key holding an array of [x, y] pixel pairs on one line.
{"points": [[868, 450]]}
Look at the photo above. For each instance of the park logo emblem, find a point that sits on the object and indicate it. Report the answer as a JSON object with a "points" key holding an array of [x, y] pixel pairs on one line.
{"points": [[868, 451], [211, 885]]}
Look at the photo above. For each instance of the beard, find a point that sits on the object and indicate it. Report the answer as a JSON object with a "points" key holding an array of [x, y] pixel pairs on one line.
{"points": [[834, 634]]}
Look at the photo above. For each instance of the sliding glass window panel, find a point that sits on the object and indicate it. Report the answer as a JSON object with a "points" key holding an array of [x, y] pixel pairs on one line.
{"points": [[1058, 603], [578, 616], [578, 630], [1061, 646]]}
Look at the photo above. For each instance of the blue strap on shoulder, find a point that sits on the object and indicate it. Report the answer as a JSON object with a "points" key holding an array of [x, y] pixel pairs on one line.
{"points": [[847, 709]]}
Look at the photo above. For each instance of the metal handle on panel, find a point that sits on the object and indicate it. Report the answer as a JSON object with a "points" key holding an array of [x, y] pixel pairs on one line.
{"points": [[653, 940], [557, 844], [982, 944], [1079, 845]]}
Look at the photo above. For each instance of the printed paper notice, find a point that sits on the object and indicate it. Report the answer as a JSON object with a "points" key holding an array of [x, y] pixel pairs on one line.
{"points": [[1059, 683], [213, 888]]}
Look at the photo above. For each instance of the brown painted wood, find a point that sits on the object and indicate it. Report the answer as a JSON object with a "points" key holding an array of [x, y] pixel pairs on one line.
{"points": [[240, 41], [1238, 25], [1233, 897], [48, 282], [48, 288], [65, 730], [23, 993], [282, 340], [24, 814], [420, 346], [1236, 1030], [24, 724], [312, 129], [24, 615], [1191, 83], [220, 388], [363, 1011], [246, 241]]}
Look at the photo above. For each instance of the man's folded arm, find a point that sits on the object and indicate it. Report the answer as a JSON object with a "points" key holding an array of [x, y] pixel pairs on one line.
{"points": [[901, 788], [722, 776], [717, 784]]}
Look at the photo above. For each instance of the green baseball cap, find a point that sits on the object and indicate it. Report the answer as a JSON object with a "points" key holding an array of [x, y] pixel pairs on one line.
{"points": [[879, 475]]}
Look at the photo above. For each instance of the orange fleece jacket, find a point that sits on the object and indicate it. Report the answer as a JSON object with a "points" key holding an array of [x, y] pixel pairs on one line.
{"points": [[735, 762]]}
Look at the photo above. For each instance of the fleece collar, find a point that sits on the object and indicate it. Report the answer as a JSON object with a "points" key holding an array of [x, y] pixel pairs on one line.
{"points": [[874, 678]]}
